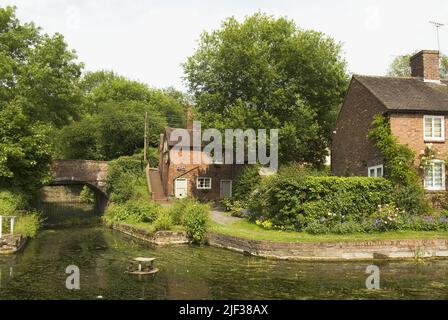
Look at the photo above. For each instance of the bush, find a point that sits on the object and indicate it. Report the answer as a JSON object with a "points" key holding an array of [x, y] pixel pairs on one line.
{"points": [[164, 221], [195, 220], [387, 217], [132, 211], [28, 224], [296, 201], [247, 181], [12, 201], [124, 174], [87, 195], [179, 208]]}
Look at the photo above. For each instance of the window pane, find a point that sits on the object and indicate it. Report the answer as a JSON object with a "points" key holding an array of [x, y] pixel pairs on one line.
{"points": [[371, 172], [428, 177], [428, 127], [379, 172], [438, 172], [437, 127]]}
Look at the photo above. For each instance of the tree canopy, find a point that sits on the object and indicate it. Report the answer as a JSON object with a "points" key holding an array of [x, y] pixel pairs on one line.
{"points": [[38, 92], [112, 124], [267, 73]]}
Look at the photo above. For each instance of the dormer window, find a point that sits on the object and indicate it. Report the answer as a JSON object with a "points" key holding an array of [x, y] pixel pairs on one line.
{"points": [[434, 128]]}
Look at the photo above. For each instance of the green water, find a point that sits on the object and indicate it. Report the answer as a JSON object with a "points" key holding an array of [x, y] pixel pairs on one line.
{"points": [[190, 272]]}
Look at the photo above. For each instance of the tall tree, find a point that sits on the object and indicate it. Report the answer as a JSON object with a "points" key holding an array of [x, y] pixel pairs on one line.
{"points": [[401, 66], [267, 73], [113, 117], [38, 92]]}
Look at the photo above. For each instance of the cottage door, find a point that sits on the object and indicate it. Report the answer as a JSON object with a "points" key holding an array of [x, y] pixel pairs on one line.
{"points": [[180, 188], [226, 189]]}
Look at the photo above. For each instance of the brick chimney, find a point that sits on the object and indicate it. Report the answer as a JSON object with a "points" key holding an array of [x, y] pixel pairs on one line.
{"points": [[425, 65]]}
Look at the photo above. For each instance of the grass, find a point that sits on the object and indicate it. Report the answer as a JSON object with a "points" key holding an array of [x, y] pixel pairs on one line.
{"points": [[245, 229]]}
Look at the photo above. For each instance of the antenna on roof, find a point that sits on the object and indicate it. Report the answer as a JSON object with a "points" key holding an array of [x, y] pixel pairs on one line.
{"points": [[437, 25]]}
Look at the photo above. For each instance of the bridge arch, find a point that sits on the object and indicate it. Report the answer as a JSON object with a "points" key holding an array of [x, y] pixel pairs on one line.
{"points": [[83, 172]]}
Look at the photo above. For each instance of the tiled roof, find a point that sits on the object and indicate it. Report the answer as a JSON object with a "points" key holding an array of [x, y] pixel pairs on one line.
{"points": [[407, 94]]}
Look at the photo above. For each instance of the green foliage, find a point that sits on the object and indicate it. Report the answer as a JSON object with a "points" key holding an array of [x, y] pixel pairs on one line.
{"points": [[12, 201], [38, 92], [401, 66], [179, 207], [246, 183], [295, 201], [388, 217], [195, 219], [400, 168], [123, 177], [134, 211], [164, 221], [113, 121], [28, 224], [87, 195], [267, 73]]}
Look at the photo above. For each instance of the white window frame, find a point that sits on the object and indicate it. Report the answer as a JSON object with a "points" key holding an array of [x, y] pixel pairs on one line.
{"points": [[203, 188], [432, 137], [376, 169], [434, 188]]}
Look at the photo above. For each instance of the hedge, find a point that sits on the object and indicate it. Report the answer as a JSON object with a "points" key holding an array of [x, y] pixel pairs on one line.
{"points": [[295, 202]]}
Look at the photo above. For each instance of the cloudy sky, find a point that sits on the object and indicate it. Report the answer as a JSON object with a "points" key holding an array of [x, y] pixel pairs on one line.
{"points": [[147, 40]]}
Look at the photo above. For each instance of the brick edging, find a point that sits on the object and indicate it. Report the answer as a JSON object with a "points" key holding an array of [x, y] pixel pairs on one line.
{"points": [[334, 251]]}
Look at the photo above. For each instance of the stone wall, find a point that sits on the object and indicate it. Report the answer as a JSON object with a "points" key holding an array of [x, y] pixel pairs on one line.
{"points": [[359, 250], [11, 243], [158, 238]]}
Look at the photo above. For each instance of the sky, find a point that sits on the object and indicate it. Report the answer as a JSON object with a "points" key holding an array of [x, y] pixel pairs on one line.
{"points": [[148, 40]]}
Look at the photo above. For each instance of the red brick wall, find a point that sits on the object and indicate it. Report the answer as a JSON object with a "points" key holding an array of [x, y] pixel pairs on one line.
{"points": [[425, 64], [408, 128], [170, 171], [351, 152]]}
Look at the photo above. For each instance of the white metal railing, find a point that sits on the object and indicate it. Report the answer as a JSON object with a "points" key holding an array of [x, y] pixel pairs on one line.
{"points": [[11, 221]]}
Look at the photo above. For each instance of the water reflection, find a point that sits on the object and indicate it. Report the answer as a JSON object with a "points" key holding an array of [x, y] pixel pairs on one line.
{"points": [[189, 272]]}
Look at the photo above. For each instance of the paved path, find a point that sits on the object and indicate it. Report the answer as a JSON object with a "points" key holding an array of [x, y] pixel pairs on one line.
{"points": [[222, 217]]}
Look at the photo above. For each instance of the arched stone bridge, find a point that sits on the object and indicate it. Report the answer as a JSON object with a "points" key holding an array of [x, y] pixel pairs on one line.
{"points": [[92, 173]]}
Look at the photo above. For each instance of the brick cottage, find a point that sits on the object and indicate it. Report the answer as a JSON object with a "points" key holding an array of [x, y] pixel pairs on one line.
{"points": [[203, 181], [417, 108]]}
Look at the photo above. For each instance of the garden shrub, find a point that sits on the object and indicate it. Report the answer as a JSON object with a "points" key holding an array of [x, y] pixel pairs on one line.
{"points": [[295, 202], [246, 182], [195, 220], [164, 221], [132, 211], [179, 208]]}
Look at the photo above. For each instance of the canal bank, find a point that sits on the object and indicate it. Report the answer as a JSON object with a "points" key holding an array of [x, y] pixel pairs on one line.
{"points": [[304, 251], [197, 272]]}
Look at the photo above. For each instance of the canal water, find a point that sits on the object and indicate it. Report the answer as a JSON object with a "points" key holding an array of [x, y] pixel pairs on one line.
{"points": [[193, 272]]}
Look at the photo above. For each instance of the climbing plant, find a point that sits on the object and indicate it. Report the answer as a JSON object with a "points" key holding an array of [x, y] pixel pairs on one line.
{"points": [[400, 168]]}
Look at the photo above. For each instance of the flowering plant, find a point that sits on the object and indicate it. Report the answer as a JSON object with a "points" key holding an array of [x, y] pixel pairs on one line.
{"points": [[388, 217]]}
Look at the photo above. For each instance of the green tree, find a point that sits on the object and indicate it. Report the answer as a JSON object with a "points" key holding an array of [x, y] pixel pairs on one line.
{"points": [[106, 87], [401, 66], [268, 73], [38, 92]]}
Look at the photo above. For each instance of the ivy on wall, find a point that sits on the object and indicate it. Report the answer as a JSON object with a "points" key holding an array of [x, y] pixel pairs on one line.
{"points": [[399, 167]]}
